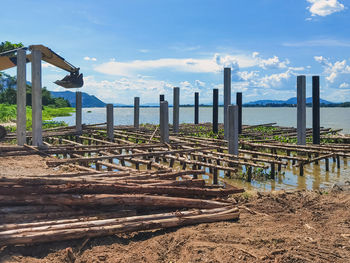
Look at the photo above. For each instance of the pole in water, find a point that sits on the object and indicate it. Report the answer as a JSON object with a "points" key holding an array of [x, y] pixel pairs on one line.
{"points": [[78, 111], [215, 110], [301, 110], [110, 122], [164, 122], [176, 109], [137, 112], [227, 98], [315, 109], [196, 108], [239, 104], [36, 98], [21, 97], [233, 129]]}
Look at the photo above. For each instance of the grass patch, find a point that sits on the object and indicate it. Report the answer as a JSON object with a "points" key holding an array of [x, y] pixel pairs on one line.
{"points": [[8, 113]]}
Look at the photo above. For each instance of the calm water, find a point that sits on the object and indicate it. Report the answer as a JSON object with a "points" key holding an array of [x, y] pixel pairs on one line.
{"points": [[315, 175], [337, 118]]}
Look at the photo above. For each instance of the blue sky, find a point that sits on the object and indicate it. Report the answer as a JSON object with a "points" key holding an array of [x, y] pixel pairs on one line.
{"points": [[145, 48]]}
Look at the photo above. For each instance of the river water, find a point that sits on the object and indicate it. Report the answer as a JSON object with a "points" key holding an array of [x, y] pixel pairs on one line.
{"points": [[337, 118], [316, 176]]}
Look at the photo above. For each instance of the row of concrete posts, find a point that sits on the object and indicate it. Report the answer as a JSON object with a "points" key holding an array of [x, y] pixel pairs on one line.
{"points": [[232, 113], [301, 110]]}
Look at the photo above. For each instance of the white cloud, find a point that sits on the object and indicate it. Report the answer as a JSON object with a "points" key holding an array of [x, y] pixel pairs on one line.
{"points": [[122, 90], [194, 65], [247, 75], [255, 54], [324, 7], [47, 65], [199, 83], [273, 62], [90, 59], [333, 70], [274, 80], [297, 68], [344, 85]]}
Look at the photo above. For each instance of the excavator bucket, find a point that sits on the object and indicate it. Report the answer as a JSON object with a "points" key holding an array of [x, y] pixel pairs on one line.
{"points": [[73, 80]]}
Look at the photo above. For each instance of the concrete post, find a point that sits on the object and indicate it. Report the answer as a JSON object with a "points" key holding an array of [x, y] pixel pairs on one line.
{"points": [[316, 110], [176, 109], [215, 110], [36, 99], [137, 112], [301, 110], [164, 122], [239, 104], [196, 108], [227, 98], [161, 98], [110, 122], [232, 129], [21, 97], [78, 111]]}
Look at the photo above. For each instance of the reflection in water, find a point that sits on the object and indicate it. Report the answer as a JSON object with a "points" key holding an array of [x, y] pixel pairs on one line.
{"points": [[315, 177]]}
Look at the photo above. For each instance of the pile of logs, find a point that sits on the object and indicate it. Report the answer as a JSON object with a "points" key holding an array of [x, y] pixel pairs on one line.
{"points": [[45, 208]]}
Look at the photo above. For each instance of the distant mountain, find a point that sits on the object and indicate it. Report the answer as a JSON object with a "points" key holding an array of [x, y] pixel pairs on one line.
{"points": [[291, 101], [89, 101], [308, 100], [265, 102]]}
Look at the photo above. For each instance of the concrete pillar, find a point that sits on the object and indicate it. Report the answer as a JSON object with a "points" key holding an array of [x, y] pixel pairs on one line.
{"points": [[316, 110], [78, 111], [161, 98], [232, 129], [37, 136], [227, 98], [110, 122], [196, 108], [176, 109], [136, 112], [239, 104], [21, 97], [164, 122], [301, 110], [215, 110]]}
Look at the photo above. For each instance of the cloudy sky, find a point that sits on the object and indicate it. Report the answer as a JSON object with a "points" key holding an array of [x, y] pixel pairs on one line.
{"points": [[146, 47]]}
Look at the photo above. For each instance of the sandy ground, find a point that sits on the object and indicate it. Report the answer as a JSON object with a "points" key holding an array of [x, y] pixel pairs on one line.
{"points": [[282, 226]]}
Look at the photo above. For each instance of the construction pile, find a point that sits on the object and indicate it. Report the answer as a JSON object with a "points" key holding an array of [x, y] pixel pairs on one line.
{"points": [[46, 208]]}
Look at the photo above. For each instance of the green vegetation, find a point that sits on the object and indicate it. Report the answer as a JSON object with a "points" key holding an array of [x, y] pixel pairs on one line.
{"points": [[8, 93], [6, 46], [8, 113]]}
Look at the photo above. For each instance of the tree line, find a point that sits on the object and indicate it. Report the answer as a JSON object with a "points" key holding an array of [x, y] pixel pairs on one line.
{"points": [[8, 86]]}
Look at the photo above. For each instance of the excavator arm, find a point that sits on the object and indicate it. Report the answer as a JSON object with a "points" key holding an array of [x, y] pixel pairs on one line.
{"points": [[73, 80]]}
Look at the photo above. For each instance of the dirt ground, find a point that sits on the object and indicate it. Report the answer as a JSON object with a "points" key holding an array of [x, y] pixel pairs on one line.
{"points": [[300, 226]]}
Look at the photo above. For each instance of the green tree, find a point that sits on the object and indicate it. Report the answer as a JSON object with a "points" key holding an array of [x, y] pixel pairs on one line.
{"points": [[8, 86], [7, 45]]}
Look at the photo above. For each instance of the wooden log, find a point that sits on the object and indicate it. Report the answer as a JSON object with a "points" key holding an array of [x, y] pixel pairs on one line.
{"points": [[93, 231], [81, 188], [120, 156], [35, 217], [137, 200], [86, 221]]}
